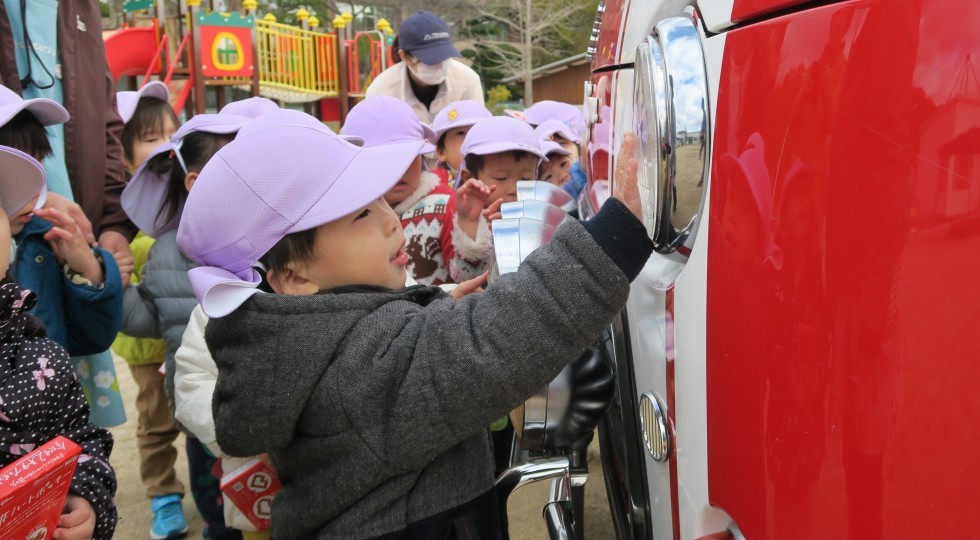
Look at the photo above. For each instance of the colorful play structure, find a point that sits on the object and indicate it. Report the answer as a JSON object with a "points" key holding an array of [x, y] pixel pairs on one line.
{"points": [[198, 52]]}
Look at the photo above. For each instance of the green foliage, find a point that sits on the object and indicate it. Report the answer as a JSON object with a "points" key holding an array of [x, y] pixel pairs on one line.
{"points": [[497, 94], [501, 97]]}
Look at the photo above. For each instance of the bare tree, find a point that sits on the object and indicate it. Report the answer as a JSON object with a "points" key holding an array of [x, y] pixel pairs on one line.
{"points": [[536, 25]]}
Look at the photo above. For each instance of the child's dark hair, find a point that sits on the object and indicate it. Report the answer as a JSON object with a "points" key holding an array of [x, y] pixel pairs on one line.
{"points": [[297, 248], [26, 133], [441, 145], [474, 162], [197, 148], [148, 119]]}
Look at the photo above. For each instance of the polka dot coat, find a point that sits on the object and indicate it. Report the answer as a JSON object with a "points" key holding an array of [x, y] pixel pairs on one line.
{"points": [[41, 398]]}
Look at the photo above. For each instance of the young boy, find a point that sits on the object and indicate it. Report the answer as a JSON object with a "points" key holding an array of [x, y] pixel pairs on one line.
{"points": [[557, 164], [499, 152], [553, 130], [372, 400], [40, 397], [451, 126], [439, 251]]}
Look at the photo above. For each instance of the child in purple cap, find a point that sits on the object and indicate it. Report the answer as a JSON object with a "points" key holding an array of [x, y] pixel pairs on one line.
{"points": [[432, 215], [149, 122], [372, 399], [79, 286], [554, 130], [555, 168], [451, 126], [160, 305], [499, 152], [40, 396]]}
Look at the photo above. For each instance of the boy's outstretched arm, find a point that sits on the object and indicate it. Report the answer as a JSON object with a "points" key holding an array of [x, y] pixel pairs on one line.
{"points": [[455, 367]]}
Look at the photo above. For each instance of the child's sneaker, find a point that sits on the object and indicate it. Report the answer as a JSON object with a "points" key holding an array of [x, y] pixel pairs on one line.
{"points": [[168, 518]]}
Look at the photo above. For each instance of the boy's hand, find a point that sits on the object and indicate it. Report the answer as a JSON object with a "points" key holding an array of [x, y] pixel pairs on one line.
{"points": [[625, 186], [493, 211], [117, 244], [69, 245], [71, 209], [126, 266], [77, 521], [471, 286], [471, 198]]}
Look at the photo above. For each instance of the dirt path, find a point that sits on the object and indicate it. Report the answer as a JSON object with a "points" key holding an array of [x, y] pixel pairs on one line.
{"points": [[134, 507]]}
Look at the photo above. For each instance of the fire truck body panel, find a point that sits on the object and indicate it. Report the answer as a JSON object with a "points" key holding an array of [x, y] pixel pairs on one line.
{"points": [[815, 352]]}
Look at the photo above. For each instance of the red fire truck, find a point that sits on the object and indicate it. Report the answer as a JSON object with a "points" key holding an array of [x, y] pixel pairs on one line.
{"points": [[798, 359]]}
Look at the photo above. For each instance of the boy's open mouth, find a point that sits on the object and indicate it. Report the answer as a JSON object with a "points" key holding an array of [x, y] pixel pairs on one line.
{"points": [[400, 258]]}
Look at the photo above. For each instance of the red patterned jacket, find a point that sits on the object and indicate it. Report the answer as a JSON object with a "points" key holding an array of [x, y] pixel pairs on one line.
{"points": [[438, 249]]}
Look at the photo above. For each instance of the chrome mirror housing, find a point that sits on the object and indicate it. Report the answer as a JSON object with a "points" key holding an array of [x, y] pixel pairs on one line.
{"points": [[670, 118]]}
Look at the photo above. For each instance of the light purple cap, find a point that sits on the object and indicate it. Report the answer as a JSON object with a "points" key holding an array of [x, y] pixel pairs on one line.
{"points": [[536, 114], [244, 202], [550, 128], [382, 120], [146, 192], [21, 179], [46, 111], [458, 114], [551, 147], [252, 107], [500, 134], [126, 102]]}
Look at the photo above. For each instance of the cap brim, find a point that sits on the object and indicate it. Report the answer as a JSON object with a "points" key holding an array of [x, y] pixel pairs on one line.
{"points": [[21, 179], [374, 171], [551, 147], [513, 113], [48, 112], [497, 147], [127, 102], [436, 53], [145, 195], [467, 122], [218, 124]]}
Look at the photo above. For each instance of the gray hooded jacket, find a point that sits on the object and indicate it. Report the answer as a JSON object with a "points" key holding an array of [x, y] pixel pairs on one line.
{"points": [[374, 405]]}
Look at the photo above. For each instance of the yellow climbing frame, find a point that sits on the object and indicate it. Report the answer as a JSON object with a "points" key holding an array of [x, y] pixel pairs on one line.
{"points": [[296, 64]]}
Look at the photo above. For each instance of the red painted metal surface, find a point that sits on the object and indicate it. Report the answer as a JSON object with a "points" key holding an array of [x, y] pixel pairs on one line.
{"points": [[610, 34], [842, 281], [671, 355], [743, 10]]}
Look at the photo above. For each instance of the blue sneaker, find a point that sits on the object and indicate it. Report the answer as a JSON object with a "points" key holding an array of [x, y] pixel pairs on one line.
{"points": [[168, 518]]}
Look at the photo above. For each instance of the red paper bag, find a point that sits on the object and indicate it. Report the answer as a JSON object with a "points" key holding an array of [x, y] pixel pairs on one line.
{"points": [[251, 488], [33, 490]]}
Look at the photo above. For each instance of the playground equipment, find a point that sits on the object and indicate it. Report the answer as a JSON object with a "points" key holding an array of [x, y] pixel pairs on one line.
{"points": [[197, 49]]}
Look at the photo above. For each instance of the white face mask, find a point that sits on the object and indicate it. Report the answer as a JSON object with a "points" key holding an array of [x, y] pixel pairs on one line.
{"points": [[430, 75]]}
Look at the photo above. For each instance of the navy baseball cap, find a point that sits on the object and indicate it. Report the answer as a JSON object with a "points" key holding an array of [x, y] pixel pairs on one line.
{"points": [[426, 37]]}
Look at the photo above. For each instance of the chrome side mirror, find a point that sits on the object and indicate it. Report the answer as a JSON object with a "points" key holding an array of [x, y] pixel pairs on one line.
{"points": [[670, 118]]}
